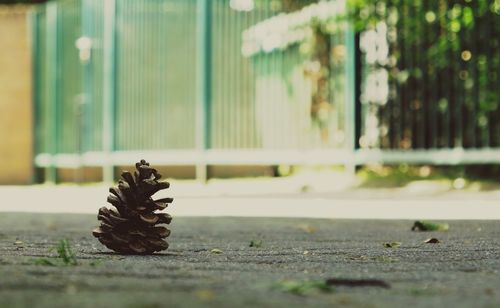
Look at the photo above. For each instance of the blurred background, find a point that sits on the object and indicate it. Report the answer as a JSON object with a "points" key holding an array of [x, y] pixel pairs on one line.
{"points": [[390, 90]]}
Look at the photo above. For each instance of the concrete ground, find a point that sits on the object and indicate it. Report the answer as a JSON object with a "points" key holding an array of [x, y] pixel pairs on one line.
{"points": [[296, 256]]}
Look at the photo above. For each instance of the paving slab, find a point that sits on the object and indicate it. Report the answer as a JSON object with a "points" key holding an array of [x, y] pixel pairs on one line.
{"points": [[463, 270]]}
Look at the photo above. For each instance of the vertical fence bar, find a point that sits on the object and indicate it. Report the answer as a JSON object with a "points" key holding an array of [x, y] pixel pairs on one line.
{"points": [[434, 83], [350, 98], [86, 61], [84, 110], [109, 82], [475, 73], [35, 87], [203, 57], [52, 120]]}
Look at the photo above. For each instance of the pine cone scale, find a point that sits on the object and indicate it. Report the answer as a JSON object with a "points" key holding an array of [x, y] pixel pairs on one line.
{"points": [[106, 227], [160, 206], [119, 238], [164, 218], [117, 194], [149, 218], [162, 232], [97, 232], [104, 219], [160, 244], [164, 200], [116, 219], [127, 176], [137, 247]]}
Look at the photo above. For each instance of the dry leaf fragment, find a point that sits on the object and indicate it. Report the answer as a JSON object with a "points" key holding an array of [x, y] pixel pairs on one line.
{"points": [[421, 225], [256, 244], [308, 228], [392, 245], [432, 240], [204, 295]]}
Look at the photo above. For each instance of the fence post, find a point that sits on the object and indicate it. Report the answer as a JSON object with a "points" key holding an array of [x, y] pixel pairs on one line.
{"points": [[52, 118], [109, 84], [34, 21], [84, 46], [350, 103], [203, 78]]}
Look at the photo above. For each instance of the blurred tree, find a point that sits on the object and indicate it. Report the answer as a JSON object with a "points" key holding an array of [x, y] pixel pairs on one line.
{"points": [[317, 67], [443, 68], [431, 67], [294, 5]]}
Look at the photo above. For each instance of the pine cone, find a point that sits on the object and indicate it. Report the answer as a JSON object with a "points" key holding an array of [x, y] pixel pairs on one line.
{"points": [[131, 228]]}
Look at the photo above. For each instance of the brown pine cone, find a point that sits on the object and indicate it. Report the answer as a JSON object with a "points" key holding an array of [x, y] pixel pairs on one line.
{"points": [[132, 227]]}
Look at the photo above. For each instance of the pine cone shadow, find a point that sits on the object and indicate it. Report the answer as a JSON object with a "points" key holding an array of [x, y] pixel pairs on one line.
{"points": [[116, 254]]}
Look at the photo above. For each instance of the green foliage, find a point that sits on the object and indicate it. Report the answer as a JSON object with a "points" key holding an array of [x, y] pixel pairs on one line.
{"points": [[442, 68], [483, 177], [216, 251], [44, 261], [255, 243], [421, 225], [381, 176], [65, 252], [65, 256], [302, 287], [392, 245], [365, 13]]}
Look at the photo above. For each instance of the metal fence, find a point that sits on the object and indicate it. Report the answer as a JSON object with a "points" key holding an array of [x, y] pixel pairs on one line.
{"points": [[117, 80], [166, 79]]}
